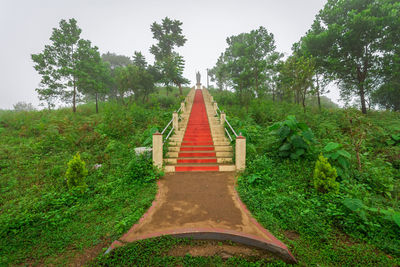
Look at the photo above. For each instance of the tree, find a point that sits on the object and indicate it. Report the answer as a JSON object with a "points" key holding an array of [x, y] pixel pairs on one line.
{"points": [[297, 76], [23, 106], [248, 58], [169, 35], [115, 61], [58, 64], [93, 77], [134, 81], [219, 73], [139, 60], [352, 38]]}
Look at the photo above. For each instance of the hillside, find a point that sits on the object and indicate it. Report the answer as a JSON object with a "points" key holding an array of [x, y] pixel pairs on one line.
{"points": [[41, 220]]}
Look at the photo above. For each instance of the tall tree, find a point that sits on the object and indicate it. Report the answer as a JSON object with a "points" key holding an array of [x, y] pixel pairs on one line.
{"points": [[248, 57], [351, 36], [94, 77], [115, 61], [219, 73], [169, 36], [58, 64]]}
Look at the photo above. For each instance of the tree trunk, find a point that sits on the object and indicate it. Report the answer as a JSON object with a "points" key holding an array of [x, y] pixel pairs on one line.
{"points": [[273, 94], [97, 105], [180, 89], [362, 99], [319, 99], [74, 98]]}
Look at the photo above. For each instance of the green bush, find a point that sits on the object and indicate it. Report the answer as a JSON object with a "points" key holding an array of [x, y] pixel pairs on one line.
{"points": [[325, 176], [76, 173], [339, 158], [294, 137]]}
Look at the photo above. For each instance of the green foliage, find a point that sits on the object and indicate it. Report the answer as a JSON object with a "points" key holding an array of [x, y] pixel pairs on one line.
{"points": [[339, 157], [294, 137], [40, 216], [357, 206], [247, 63], [68, 64], [346, 37], [76, 173], [155, 252], [325, 176], [168, 35], [379, 175], [278, 193], [141, 168]]}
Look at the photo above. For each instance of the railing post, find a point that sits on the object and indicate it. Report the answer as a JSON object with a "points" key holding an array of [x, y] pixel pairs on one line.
{"points": [[215, 107], [175, 121], [223, 118], [211, 98], [240, 153], [157, 150], [183, 106]]}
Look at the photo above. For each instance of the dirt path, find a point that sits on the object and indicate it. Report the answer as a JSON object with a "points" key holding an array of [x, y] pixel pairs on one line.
{"points": [[202, 205]]}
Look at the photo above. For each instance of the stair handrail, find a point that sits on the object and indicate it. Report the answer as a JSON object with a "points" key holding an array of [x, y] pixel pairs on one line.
{"points": [[167, 126], [231, 127]]}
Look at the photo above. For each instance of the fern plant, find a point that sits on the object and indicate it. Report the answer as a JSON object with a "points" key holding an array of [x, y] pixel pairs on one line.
{"points": [[295, 137]]}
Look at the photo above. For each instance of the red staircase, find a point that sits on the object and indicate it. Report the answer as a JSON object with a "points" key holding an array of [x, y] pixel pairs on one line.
{"points": [[197, 152]]}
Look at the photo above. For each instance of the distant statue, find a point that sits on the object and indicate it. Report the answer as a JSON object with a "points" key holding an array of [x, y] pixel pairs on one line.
{"points": [[198, 77]]}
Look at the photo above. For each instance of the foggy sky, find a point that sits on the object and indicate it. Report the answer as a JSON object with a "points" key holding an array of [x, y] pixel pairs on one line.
{"points": [[123, 26]]}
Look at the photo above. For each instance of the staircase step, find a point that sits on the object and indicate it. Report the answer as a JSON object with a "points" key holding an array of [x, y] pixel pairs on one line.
{"points": [[197, 148], [196, 168], [196, 154]]}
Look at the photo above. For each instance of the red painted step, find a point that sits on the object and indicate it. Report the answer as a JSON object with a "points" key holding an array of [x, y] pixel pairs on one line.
{"points": [[197, 148], [197, 144], [196, 155], [196, 168], [197, 161]]}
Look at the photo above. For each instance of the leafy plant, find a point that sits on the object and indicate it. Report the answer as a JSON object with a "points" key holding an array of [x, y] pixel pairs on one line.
{"points": [[76, 173], [338, 157], [294, 137], [325, 176], [394, 140], [356, 205]]}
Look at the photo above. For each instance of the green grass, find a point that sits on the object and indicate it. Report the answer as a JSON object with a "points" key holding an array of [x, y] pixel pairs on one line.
{"points": [[154, 252], [280, 192], [41, 221]]}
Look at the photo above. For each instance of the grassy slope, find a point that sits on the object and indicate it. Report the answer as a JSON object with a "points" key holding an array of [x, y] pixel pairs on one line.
{"points": [[318, 228], [40, 219]]}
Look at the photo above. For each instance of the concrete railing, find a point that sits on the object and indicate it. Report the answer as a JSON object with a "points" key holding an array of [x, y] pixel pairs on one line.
{"points": [[158, 142], [240, 141]]}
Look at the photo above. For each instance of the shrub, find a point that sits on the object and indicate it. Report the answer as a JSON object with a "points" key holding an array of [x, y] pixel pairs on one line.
{"points": [[338, 157], [325, 176], [76, 173], [141, 168], [294, 137]]}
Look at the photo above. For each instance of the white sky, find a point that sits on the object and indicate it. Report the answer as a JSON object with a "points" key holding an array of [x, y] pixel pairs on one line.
{"points": [[123, 26]]}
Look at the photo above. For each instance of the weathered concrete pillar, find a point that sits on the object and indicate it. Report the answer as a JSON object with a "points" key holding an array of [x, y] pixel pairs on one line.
{"points": [[175, 121], [223, 118], [215, 105], [157, 150], [183, 106], [211, 98], [240, 153]]}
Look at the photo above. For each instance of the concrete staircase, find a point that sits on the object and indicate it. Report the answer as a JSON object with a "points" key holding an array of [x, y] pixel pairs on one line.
{"points": [[200, 143]]}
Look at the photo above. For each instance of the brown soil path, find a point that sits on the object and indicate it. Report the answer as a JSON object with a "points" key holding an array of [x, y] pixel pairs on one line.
{"points": [[202, 205]]}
